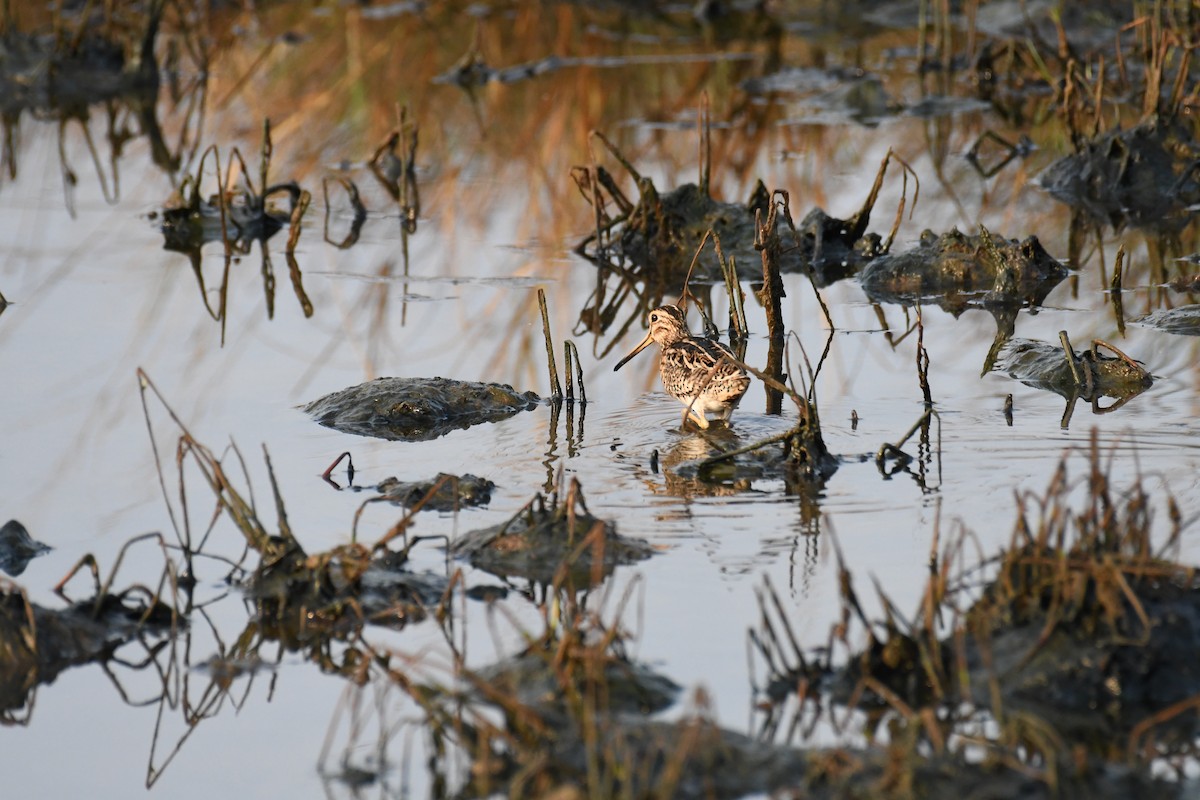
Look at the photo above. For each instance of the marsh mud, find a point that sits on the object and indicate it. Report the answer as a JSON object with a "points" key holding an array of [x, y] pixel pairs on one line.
{"points": [[573, 700], [49, 73], [1089, 375], [441, 493], [1183, 320], [660, 235], [417, 409], [551, 540], [1010, 271], [188, 222], [1142, 176], [18, 548], [38, 643], [798, 457], [311, 598]]}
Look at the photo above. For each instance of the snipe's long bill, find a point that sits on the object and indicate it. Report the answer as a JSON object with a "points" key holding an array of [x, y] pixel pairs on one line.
{"points": [[697, 371]]}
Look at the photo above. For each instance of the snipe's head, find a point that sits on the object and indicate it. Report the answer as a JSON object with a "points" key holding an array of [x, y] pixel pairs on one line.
{"points": [[668, 325]]}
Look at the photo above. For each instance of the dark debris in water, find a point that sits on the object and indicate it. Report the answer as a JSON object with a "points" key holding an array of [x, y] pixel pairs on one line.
{"points": [[1011, 271], [188, 221], [530, 678], [548, 540], [59, 75], [442, 493], [37, 643], [1087, 375], [18, 548], [309, 598], [417, 409], [660, 234], [1079, 648], [1142, 176], [1184, 320]]}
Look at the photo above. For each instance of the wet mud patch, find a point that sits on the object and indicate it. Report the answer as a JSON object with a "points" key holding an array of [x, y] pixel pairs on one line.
{"points": [[308, 599], [1010, 270], [1143, 176], [65, 71], [417, 409], [18, 548], [548, 541], [38, 643], [797, 457], [1089, 375], [1183, 321], [442, 493], [1077, 649], [661, 236]]}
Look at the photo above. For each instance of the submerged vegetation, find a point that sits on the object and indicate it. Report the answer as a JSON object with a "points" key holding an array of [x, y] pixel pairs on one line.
{"points": [[491, 621]]}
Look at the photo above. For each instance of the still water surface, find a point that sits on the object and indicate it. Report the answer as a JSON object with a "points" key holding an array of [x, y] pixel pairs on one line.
{"points": [[94, 296]]}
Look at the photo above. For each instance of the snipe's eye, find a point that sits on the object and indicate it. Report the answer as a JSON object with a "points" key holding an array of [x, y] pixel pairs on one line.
{"points": [[654, 317]]}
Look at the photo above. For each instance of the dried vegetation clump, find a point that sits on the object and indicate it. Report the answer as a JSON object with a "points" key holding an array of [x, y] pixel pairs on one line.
{"points": [[1072, 662]]}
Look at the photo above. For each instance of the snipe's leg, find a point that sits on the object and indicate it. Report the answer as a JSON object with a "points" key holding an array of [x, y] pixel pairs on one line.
{"points": [[695, 416]]}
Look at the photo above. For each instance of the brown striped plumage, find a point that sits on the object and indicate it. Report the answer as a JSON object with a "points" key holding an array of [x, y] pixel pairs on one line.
{"points": [[697, 371]]}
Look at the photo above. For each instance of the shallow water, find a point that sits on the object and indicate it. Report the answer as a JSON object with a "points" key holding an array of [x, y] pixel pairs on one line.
{"points": [[94, 296]]}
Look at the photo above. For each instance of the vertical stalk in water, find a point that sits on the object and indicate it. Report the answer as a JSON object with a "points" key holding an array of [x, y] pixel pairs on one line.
{"points": [[555, 387]]}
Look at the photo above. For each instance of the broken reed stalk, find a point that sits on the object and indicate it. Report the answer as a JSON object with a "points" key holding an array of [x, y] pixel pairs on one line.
{"points": [[242, 513], [705, 147], [766, 241], [555, 387], [886, 447], [294, 226], [923, 360], [570, 397], [571, 358], [104, 589], [593, 171], [195, 200], [1115, 286], [686, 292], [738, 329], [360, 212], [349, 467], [298, 284], [264, 165], [1072, 362], [1118, 269]]}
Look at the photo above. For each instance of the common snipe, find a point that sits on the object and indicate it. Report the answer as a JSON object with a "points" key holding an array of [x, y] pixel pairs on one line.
{"points": [[698, 372]]}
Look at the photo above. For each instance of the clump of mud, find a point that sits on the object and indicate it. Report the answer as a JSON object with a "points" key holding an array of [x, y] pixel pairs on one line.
{"points": [[442, 493], [1182, 321], [1143, 176], [62, 72], [548, 540], [38, 643], [18, 548], [660, 234], [1011, 270], [1078, 651], [417, 409]]}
